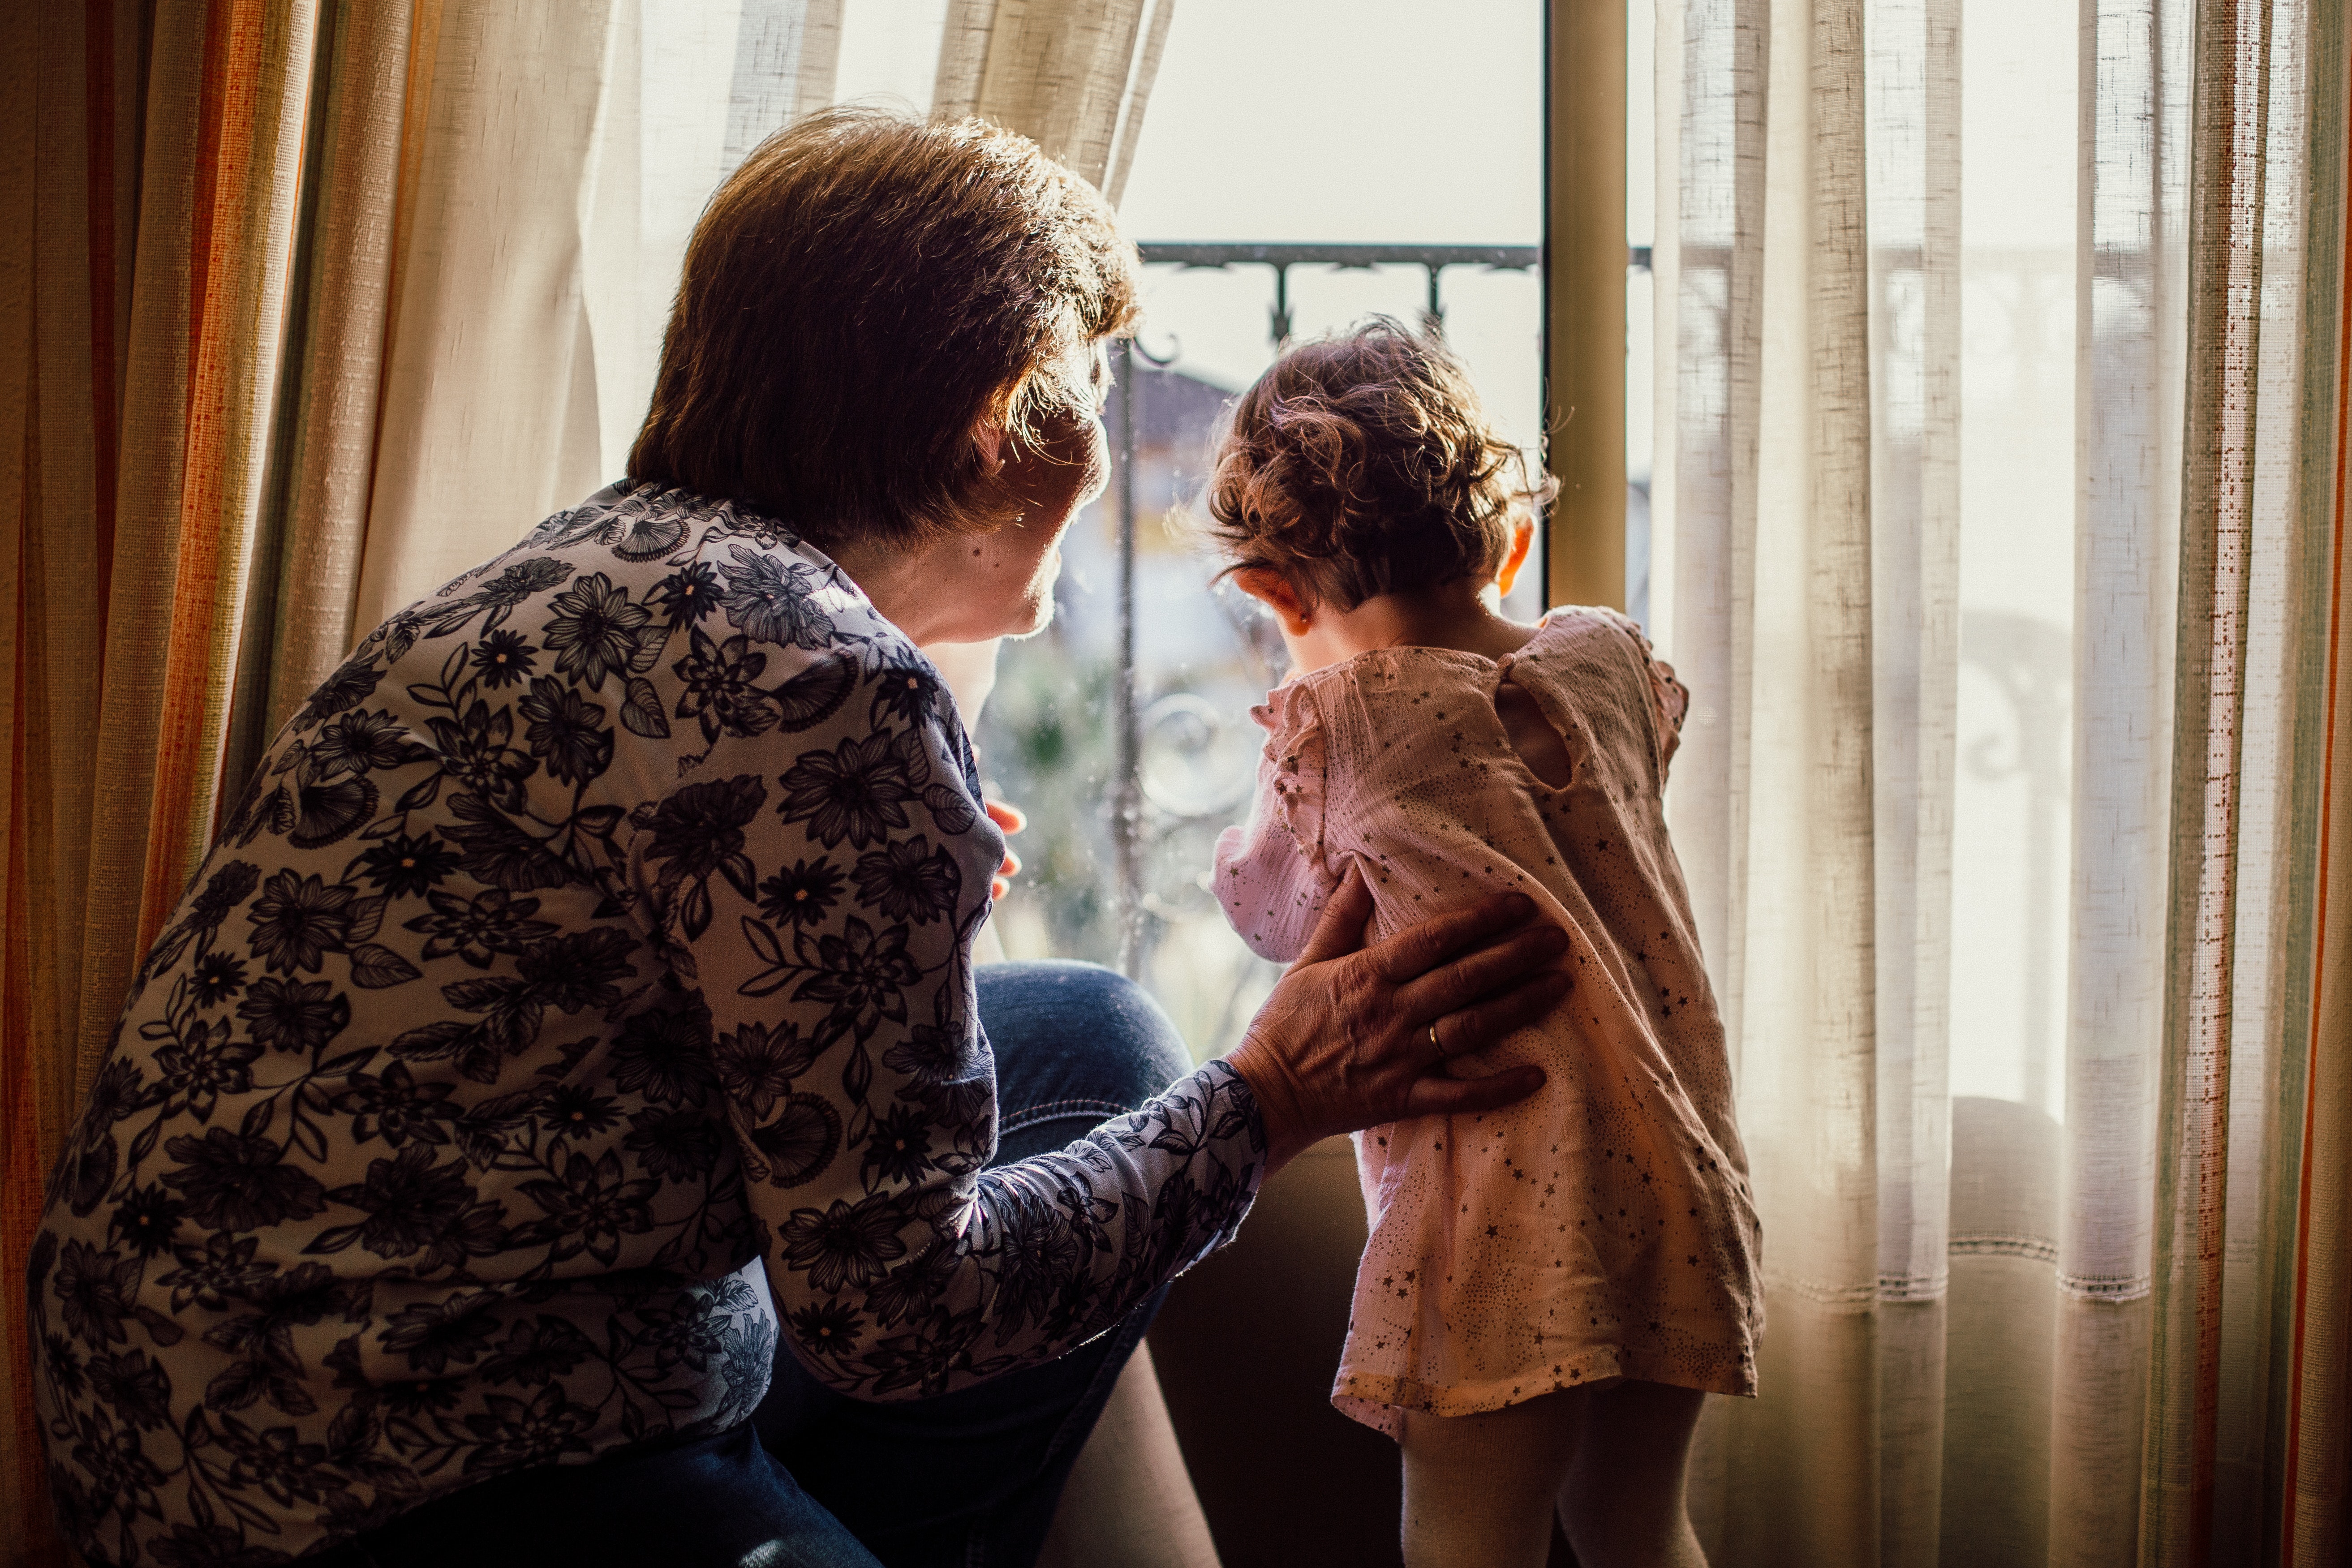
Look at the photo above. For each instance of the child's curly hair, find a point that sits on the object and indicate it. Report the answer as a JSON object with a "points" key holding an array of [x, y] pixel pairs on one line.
{"points": [[1363, 463]]}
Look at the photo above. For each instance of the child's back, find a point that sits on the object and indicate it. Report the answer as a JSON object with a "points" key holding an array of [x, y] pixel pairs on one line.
{"points": [[1584, 1261], [1602, 1228]]}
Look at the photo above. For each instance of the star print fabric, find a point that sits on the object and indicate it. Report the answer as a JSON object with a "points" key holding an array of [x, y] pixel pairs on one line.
{"points": [[598, 934], [1602, 1228]]}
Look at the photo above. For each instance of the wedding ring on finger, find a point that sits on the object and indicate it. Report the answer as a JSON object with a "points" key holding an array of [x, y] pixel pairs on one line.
{"points": [[1435, 1044]]}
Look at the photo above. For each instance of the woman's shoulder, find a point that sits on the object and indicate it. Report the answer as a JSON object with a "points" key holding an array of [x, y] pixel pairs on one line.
{"points": [[633, 580]]}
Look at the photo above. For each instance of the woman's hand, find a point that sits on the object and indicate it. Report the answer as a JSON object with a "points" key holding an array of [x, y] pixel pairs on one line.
{"points": [[1354, 1036]]}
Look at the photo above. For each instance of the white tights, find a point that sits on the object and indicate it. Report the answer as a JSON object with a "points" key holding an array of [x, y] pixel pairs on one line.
{"points": [[1479, 1490]]}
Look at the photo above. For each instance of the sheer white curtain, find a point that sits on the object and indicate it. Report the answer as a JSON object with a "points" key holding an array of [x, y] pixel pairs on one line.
{"points": [[1987, 801]]}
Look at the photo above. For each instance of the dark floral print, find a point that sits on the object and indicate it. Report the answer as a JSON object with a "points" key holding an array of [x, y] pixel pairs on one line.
{"points": [[803, 895], [504, 1033], [686, 594], [767, 599], [298, 921], [864, 973], [857, 791], [538, 1351], [404, 867], [757, 1063], [474, 752], [349, 687], [218, 977], [294, 1015], [910, 880], [221, 1267], [224, 891], [146, 1220], [504, 659], [232, 1181], [577, 1111], [94, 1289], [796, 1147], [675, 1144], [593, 630], [567, 729], [411, 1203], [432, 1334], [360, 742], [202, 1063], [326, 811], [134, 1387], [395, 1106], [846, 1245], [719, 693], [480, 927], [664, 1056]]}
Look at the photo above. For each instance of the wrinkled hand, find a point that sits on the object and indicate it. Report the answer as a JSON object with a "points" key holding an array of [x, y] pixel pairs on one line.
{"points": [[1012, 819], [1346, 1041]]}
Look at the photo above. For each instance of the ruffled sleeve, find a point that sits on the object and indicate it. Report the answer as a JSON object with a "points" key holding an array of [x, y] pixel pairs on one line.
{"points": [[1669, 697], [1272, 876]]}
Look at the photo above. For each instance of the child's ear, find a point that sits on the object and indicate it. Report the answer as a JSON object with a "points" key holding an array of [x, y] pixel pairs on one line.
{"points": [[1274, 591], [1523, 539]]}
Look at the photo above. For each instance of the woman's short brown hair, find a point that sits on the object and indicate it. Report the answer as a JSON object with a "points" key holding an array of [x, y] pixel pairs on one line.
{"points": [[1361, 464], [859, 294]]}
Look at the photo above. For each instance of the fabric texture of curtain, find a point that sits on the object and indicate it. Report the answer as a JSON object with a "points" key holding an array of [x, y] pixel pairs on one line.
{"points": [[2000, 535], [305, 305]]}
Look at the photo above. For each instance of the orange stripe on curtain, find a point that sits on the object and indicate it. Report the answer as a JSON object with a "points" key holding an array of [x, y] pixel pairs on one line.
{"points": [[210, 555]]}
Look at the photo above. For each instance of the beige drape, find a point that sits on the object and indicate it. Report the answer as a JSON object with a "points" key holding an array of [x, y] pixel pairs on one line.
{"points": [[2095, 1317]]}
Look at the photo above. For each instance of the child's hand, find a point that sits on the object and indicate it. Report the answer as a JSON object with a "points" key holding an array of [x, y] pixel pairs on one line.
{"points": [[1012, 820], [1354, 1036]]}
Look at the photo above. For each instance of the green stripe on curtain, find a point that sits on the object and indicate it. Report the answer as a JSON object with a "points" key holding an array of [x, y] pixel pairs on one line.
{"points": [[2309, 1518], [313, 512]]}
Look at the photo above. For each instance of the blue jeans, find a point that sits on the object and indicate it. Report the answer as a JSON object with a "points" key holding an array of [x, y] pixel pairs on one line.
{"points": [[817, 1480]]}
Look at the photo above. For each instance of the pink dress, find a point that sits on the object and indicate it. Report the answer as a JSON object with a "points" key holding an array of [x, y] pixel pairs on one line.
{"points": [[1602, 1228]]}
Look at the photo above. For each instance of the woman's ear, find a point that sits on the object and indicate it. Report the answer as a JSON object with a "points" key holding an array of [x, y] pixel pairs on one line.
{"points": [[1272, 589], [1523, 539], [988, 440]]}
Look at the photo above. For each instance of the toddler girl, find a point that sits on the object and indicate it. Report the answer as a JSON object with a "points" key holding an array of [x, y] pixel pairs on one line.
{"points": [[1549, 1290]]}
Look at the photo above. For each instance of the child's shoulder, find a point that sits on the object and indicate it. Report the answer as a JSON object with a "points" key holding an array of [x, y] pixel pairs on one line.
{"points": [[1392, 681], [1564, 624], [1288, 709], [1590, 650]]}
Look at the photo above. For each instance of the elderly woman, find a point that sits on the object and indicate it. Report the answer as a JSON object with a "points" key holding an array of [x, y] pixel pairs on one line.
{"points": [[562, 1122]]}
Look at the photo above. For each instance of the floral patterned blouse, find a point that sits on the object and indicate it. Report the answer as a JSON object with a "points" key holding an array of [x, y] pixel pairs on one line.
{"points": [[598, 933]]}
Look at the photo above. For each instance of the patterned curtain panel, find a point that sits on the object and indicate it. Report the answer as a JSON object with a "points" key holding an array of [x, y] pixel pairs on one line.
{"points": [[1999, 487], [306, 306]]}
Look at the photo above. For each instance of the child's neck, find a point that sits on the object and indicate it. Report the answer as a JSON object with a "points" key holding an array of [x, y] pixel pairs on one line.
{"points": [[1465, 616]]}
